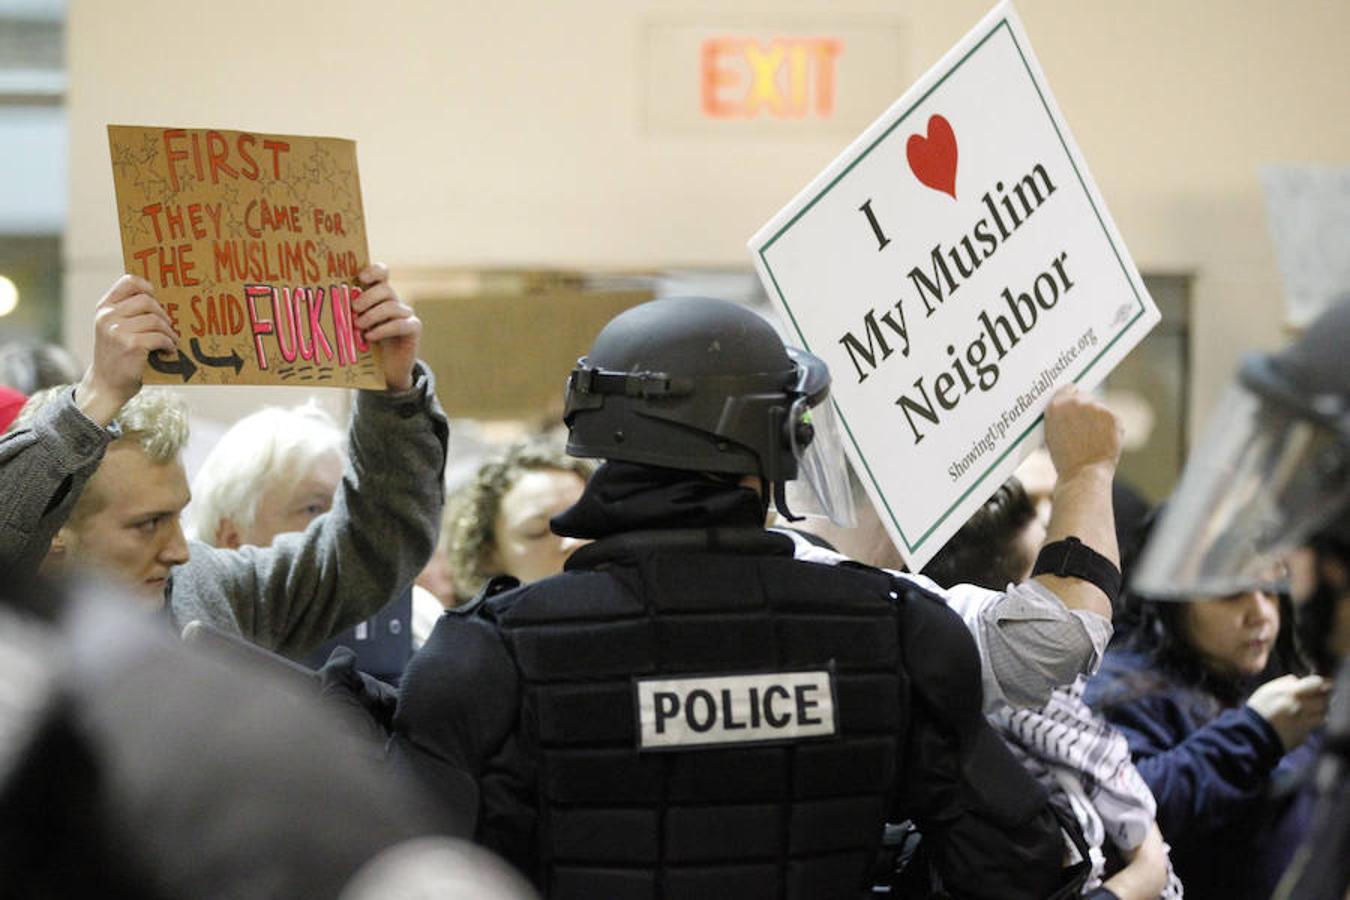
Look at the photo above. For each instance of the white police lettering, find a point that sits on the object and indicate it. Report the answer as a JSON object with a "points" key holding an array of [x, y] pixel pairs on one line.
{"points": [[711, 710]]}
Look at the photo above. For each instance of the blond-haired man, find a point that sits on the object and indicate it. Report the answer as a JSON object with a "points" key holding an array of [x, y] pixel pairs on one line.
{"points": [[92, 476], [126, 519]]}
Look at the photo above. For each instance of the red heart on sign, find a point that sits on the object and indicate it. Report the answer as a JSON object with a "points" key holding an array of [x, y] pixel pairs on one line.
{"points": [[932, 159]]}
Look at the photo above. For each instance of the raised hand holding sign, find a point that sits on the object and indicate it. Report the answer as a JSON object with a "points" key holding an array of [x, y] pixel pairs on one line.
{"points": [[129, 326], [389, 323]]}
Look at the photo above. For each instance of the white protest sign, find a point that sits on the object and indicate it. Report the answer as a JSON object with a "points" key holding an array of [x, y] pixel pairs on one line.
{"points": [[954, 266]]}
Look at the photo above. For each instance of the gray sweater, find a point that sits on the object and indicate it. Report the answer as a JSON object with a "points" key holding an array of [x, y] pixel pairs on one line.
{"points": [[305, 587]]}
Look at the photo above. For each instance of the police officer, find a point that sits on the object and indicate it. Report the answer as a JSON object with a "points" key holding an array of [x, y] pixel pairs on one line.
{"points": [[1273, 475], [687, 711]]}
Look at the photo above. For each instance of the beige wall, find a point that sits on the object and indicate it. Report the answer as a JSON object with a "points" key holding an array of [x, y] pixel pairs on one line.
{"points": [[511, 133]]}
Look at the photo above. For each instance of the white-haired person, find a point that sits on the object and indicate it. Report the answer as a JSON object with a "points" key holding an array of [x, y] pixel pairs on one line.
{"points": [[276, 471], [273, 471], [81, 485]]}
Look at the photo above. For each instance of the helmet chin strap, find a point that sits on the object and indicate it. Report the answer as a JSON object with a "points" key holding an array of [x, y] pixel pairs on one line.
{"points": [[776, 441], [780, 501]]}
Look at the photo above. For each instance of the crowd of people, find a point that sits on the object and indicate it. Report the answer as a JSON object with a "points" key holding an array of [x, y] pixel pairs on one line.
{"points": [[626, 669]]}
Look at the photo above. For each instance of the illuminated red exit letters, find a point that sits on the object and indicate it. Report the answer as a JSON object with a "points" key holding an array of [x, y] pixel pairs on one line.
{"points": [[786, 78]]}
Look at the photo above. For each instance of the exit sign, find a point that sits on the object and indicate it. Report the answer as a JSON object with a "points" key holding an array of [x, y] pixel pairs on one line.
{"points": [[786, 78], [775, 78]]}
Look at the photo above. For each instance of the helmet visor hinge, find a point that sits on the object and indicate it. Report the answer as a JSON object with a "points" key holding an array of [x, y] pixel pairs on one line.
{"points": [[589, 380]]}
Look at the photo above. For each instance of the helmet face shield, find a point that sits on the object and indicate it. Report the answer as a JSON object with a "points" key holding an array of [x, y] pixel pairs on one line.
{"points": [[822, 484], [821, 487], [1261, 483]]}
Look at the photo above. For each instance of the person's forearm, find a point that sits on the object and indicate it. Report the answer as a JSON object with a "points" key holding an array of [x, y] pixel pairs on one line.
{"points": [[28, 483], [398, 447], [1212, 776], [44, 468], [1142, 879], [379, 534], [98, 403], [1145, 876], [1082, 509]]}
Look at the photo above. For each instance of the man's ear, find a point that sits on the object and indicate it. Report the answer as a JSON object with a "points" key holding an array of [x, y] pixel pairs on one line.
{"points": [[227, 534], [58, 553]]}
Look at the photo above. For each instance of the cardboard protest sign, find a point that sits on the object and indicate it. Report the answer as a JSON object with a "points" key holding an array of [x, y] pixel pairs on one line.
{"points": [[954, 267], [252, 242]]}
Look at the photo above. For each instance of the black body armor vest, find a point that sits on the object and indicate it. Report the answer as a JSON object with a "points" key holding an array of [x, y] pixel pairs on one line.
{"points": [[690, 712], [778, 781]]}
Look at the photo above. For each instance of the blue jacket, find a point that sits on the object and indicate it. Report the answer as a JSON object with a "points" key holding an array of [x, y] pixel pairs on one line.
{"points": [[1212, 770]]}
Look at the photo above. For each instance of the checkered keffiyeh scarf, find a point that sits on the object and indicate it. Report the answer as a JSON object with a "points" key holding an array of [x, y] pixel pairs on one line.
{"points": [[1086, 765]]}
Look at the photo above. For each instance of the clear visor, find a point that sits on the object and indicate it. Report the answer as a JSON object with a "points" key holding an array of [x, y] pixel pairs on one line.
{"points": [[1259, 485], [821, 487]]}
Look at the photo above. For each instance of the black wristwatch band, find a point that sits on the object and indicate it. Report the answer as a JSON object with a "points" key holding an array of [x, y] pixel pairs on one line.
{"points": [[1071, 558]]}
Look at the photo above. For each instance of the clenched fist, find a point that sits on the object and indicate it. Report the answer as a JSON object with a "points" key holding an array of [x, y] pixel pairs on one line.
{"points": [[1080, 433]]}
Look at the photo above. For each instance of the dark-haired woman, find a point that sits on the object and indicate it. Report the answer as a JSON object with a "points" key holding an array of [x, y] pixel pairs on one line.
{"points": [[1220, 743]]}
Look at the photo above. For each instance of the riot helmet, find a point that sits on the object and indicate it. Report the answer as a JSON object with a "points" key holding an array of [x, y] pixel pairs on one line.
{"points": [[706, 385], [1272, 472]]}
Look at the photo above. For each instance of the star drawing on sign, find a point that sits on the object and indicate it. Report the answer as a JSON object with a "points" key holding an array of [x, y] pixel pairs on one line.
{"points": [[186, 181], [152, 184], [291, 187], [230, 194], [321, 158], [337, 185], [133, 220], [124, 160], [149, 147]]}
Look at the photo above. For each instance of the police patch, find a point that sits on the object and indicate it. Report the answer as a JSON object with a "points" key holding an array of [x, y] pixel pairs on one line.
{"points": [[752, 708]]}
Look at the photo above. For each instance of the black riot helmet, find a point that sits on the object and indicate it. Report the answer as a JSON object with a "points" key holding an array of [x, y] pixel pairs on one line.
{"points": [[706, 385], [1272, 472]]}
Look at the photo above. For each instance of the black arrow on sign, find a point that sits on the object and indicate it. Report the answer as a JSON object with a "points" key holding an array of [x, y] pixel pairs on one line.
{"points": [[180, 366], [218, 362]]}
